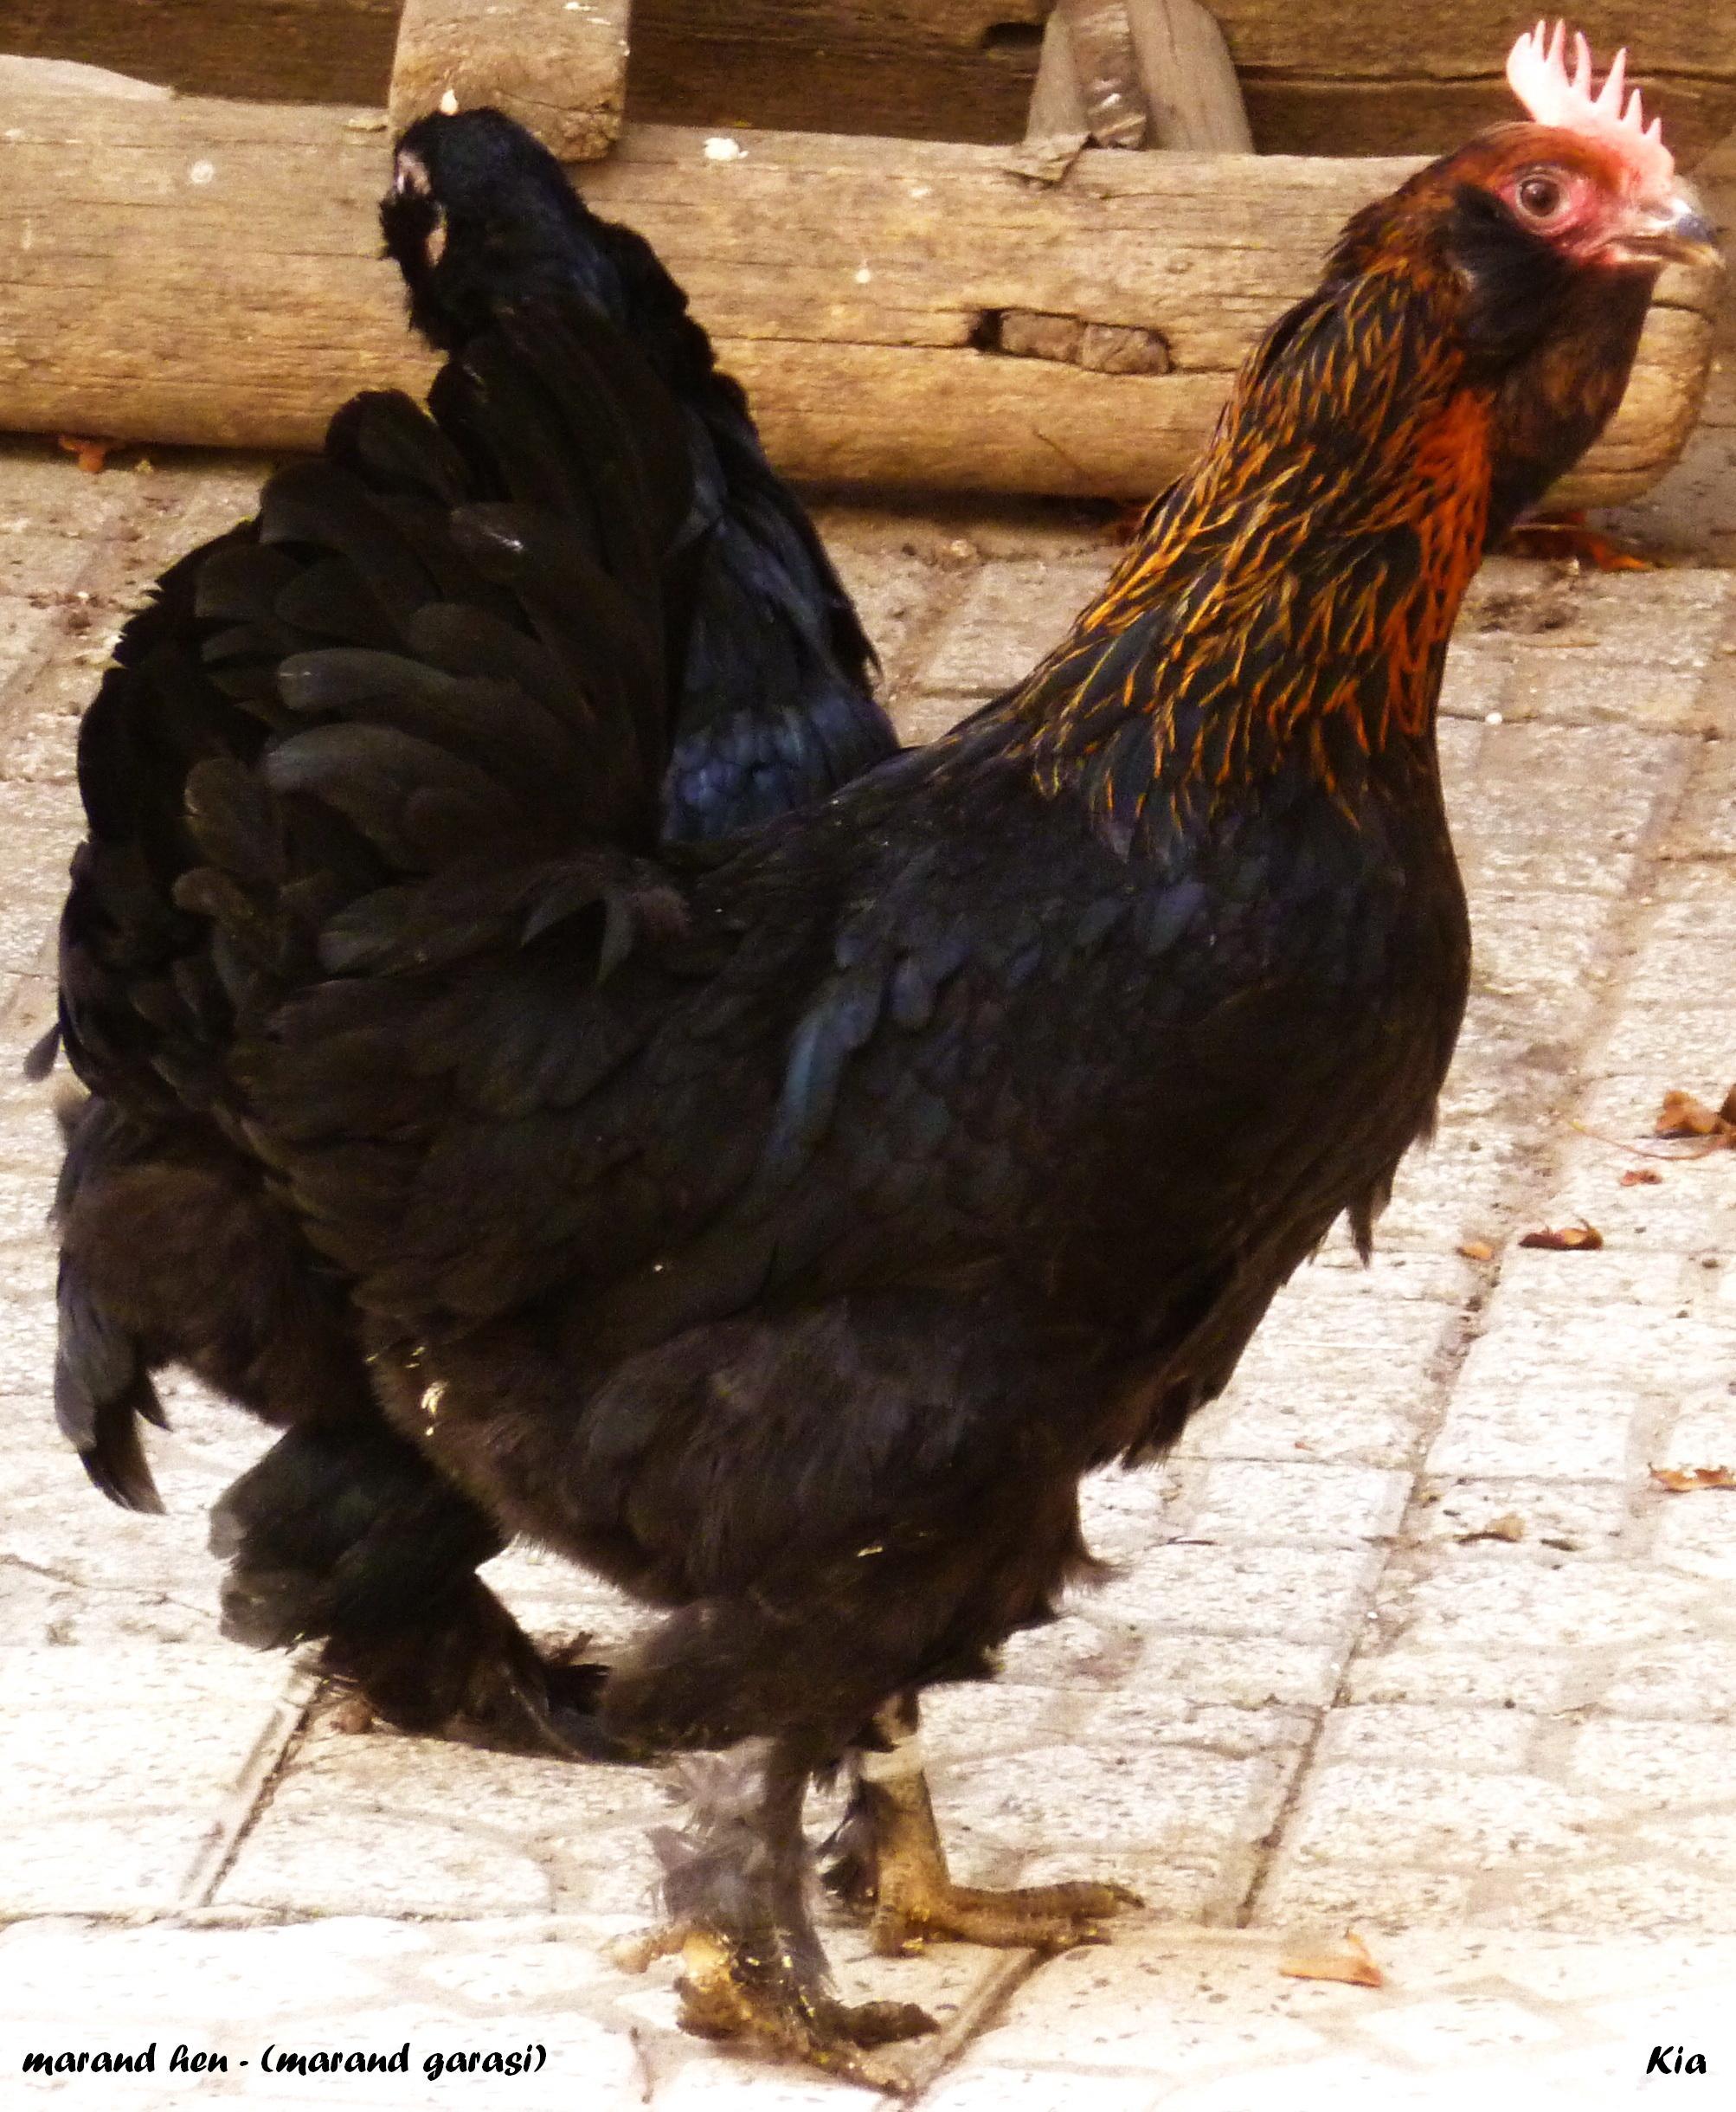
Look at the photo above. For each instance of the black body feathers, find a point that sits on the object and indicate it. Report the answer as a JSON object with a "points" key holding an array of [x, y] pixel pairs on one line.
{"points": [[774, 697], [781, 1232], [290, 620]]}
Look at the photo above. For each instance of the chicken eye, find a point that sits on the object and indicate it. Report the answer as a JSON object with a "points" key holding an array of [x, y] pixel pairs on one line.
{"points": [[1541, 197]]}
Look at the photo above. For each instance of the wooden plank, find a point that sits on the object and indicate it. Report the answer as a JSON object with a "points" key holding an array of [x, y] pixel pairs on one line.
{"points": [[1311, 116], [1135, 73], [1190, 83], [1348, 39], [207, 271], [1319, 76], [557, 66], [1057, 125], [319, 51], [1030, 425], [1100, 48], [1333, 76]]}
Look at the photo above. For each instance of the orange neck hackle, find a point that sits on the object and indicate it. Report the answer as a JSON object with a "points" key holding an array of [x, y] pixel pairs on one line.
{"points": [[1290, 603], [1286, 612]]}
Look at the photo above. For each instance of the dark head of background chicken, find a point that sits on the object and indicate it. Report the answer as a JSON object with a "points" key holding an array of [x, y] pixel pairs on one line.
{"points": [[785, 1237], [172, 1253], [776, 697]]}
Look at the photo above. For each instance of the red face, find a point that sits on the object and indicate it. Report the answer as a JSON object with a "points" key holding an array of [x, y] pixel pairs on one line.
{"points": [[1586, 203]]}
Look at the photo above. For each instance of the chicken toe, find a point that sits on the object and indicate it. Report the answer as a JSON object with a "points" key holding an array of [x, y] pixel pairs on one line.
{"points": [[735, 1879], [915, 1900], [731, 1989], [1039, 1917]]}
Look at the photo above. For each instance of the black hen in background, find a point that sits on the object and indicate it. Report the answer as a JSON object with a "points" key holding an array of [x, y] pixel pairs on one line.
{"points": [[173, 1250], [774, 704]]}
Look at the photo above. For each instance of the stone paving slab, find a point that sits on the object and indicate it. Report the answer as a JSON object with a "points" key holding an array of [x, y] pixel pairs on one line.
{"points": [[248, 1993], [1404, 1636], [1193, 2020], [1207, 2023]]}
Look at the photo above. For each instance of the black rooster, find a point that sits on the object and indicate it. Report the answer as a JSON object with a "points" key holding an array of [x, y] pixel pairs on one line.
{"points": [[171, 1249], [784, 1234]]}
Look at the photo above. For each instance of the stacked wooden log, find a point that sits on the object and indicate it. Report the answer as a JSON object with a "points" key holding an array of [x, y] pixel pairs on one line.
{"points": [[1054, 316], [1318, 76]]}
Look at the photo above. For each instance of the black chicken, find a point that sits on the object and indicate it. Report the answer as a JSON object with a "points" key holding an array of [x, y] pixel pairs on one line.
{"points": [[172, 1250], [776, 706], [784, 1234]]}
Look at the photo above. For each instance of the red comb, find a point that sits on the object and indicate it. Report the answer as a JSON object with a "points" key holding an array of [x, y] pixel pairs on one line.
{"points": [[1537, 74]]}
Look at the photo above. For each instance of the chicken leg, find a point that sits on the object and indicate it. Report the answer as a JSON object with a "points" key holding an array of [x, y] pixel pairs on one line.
{"points": [[902, 1881], [735, 1887], [342, 1533]]}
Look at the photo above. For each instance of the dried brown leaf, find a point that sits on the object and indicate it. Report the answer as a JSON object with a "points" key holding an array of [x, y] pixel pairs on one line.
{"points": [[1682, 1480], [1583, 1237], [1569, 537], [1642, 1177], [1508, 1526], [1476, 1250], [92, 454], [1682, 1114], [1353, 1965]]}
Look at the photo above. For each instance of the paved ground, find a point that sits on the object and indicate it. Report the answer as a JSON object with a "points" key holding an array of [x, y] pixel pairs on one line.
{"points": [[1406, 1638]]}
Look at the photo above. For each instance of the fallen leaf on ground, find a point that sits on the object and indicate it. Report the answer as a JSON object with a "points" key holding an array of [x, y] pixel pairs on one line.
{"points": [[1640, 1176], [1571, 536], [1583, 1237], [92, 454], [1682, 1114], [1476, 1250], [1351, 1965], [1508, 1526], [1679, 1480]]}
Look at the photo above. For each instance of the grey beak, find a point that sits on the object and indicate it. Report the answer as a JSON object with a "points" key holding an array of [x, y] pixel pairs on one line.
{"points": [[1682, 234]]}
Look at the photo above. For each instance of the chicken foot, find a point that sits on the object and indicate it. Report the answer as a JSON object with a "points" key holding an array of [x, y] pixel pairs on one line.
{"points": [[903, 1881], [342, 1535], [735, 1885], [467, 1673]]}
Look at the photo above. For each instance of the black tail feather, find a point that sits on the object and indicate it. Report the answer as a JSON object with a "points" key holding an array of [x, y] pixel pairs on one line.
{"points": [[773, 701], [102, 1392]]}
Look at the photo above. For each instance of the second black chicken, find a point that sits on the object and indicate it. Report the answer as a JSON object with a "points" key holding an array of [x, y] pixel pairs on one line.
{"points": [[172, 1250]]}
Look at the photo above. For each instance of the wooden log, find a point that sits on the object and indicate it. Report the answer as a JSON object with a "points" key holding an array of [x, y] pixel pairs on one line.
{"points": [[557, 66], [1057, 125], [318, 51], [1031, 426], [1097, 41], [1191, 88], [1318, 76], [1135, 74], [192, 270]]}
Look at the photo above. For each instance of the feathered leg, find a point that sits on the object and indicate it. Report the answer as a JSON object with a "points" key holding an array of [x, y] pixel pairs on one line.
{"points": [[894, 1867], [342, 1533], [346, 1535], [735, 1887]]}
